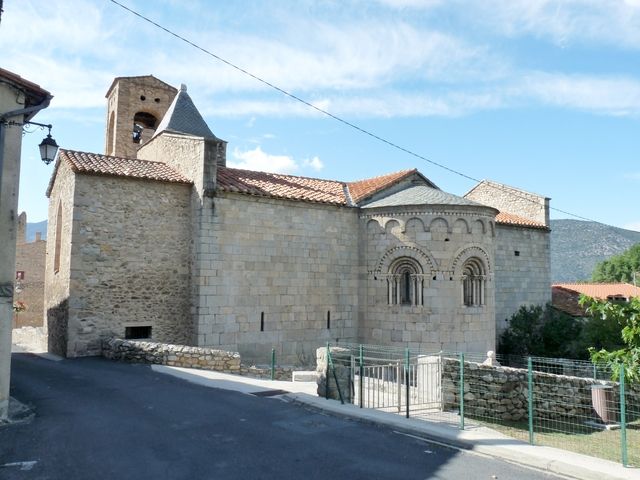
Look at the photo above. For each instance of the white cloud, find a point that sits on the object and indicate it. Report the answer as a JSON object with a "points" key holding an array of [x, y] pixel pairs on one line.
{"points": [[259, 160], [256, 159], [315, 163], [563, 22], [602, 94]]}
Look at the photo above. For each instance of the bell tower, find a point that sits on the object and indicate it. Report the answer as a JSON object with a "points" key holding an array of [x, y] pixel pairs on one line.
{"points": [[135, 107]]}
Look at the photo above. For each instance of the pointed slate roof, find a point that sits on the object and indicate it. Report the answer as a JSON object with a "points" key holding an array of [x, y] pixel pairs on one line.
{"points": [[183, 117], [419, 195]]}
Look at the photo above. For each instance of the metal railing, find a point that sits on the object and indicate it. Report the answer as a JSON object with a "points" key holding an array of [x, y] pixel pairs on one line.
{"points": [[556, 402]]}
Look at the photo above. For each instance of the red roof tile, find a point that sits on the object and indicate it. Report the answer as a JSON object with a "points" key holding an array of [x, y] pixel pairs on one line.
{"points": [[364, 188], [281, 186], [504, 218], [601, 290], [93, 163]]}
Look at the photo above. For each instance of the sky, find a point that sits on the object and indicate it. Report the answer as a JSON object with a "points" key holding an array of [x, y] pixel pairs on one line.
{"points": [[541, 95]]}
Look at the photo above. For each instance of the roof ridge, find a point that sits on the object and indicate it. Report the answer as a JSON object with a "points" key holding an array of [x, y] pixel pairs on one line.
{"points": [[115, 156], [283, 174], [405, 171]]}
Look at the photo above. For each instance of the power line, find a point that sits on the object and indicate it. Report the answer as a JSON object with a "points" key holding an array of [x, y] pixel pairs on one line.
{"points": [[335, 117]]}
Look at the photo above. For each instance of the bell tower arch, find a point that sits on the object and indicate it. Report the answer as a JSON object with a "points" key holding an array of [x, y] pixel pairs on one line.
{"points": [[135, 107]]}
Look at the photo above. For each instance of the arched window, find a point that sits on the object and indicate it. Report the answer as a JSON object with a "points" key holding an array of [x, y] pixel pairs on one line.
{"points": [[473, 282], [58, 240], [405, 282]]}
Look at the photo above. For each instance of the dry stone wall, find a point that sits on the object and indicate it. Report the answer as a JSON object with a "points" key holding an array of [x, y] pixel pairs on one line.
{"points": [[501, 393], [140, 351]]}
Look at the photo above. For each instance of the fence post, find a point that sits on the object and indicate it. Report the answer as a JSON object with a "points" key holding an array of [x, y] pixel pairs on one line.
{"points": [[623, 418], [530, 397], [462, 391], [326, 375], [335, 375], [406, 376], [273, 363], [361, 376]]}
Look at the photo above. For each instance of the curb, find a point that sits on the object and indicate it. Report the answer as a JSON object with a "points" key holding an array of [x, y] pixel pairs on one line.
{"points": [[545, 459]]}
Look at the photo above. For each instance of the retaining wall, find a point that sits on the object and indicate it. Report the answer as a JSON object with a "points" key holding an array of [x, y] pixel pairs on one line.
{"points": [[140, 351]]}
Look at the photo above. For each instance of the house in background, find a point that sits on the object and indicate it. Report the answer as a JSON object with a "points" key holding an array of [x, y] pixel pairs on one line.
{"points": [[565, 296], [29, 279], [160, 239]]}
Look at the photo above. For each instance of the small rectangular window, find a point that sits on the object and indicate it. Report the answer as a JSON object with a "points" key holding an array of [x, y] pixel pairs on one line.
{"points": [[328, 320], [262, 321], [517, 253], [132, 333]]}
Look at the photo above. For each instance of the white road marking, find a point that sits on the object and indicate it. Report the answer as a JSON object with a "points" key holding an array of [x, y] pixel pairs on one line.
{"points": [[22, 465]]}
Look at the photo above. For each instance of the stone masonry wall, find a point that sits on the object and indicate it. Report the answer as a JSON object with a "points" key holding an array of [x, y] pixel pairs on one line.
{"points": [[140, 351], [440, 240], [128, 97], [511, 200], [130, 265], [523, 279], [502, 393], [59, 229], [30, 259], [284, 266]]}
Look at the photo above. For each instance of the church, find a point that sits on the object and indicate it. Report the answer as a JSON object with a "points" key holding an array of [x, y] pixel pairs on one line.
{"points": [[158, 239]]}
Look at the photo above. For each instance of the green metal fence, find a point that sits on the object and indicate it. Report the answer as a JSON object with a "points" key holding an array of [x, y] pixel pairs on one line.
{"points": [[555, 402]]}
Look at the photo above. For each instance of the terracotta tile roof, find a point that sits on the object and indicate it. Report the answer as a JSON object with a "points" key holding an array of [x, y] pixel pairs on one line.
{"points": [[277, 185], [94, 163], [601, 290], [565, 296], [364, 188], [504, 218]]}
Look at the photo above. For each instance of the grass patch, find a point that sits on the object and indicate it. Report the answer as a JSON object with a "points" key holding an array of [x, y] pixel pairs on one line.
{"points": [[579, 438]]}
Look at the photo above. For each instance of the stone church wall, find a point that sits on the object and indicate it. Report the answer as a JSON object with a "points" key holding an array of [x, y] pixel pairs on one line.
{"points": [[523, 270], [130, 266], [434, 239], [59, 231], [282, 275]]}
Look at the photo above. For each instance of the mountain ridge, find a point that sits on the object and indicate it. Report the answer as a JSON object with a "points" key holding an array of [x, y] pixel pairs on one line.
{"points": [[578, 245]]}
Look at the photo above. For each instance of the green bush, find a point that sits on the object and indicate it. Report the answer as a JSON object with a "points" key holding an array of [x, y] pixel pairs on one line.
{"points": [[547, 332]]}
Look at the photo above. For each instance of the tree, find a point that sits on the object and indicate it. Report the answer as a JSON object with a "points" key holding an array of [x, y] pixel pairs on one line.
{"points": [[619, 268], [627, 315], [544, 332]]}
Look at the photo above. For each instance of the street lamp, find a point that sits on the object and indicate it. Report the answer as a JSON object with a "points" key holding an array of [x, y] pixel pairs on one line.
{"points": [[48, 146]]}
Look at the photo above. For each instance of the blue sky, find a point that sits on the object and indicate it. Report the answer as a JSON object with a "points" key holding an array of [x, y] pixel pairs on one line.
{"points": [[541, 95]]}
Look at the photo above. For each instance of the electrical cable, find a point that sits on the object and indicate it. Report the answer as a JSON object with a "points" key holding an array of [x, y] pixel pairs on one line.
{"points": [[339, 119]]}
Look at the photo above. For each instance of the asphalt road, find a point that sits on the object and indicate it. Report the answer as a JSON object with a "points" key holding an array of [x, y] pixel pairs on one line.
{"points": [[98, 419]]}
